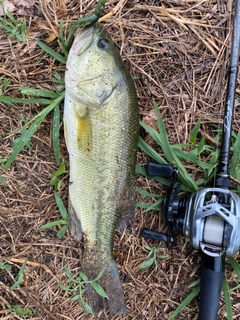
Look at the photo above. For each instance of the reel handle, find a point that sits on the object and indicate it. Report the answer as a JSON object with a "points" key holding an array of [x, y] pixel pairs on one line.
{"points": [[212, 275]]}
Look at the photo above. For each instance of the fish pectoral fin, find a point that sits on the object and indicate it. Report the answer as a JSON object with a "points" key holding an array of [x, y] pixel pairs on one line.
{"points": [[84, 132], [75, 227]]}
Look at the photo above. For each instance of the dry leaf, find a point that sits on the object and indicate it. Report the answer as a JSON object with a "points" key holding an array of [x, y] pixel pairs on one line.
{"points": [[21, 7]]}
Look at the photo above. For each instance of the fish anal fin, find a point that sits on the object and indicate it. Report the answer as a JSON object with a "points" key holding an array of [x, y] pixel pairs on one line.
{"points": [[126, 209]]}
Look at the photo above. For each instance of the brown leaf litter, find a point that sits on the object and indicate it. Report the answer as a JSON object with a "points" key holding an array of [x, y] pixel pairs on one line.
{"points": [[179, 52]]}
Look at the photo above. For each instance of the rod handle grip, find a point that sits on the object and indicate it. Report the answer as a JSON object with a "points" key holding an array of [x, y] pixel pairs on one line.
{"points": [[210, 293]]}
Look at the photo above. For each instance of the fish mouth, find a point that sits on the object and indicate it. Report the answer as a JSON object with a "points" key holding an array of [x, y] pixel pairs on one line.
{"points": [[83, 33], [83, 40]]}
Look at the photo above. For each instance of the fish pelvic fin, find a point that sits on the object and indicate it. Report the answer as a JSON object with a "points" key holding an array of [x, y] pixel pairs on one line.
{"points": [[126, 209], [75, 227], [110, 282]]}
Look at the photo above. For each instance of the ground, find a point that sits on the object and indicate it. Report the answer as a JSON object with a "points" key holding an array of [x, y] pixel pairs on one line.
{"points": [[178, 52]]}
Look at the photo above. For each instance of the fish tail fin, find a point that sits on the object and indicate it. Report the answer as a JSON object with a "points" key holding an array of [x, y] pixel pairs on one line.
{"points": [[109, 281]]}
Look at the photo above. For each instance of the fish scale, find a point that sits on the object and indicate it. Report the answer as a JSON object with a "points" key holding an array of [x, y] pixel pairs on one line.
{"points": [[101, 130]]}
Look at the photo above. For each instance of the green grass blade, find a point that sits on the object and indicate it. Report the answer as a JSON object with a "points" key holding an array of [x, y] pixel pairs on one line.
{"points": [[53, 224], [39, 93], [98, 276], [55, 134], [153, 133], [61, 232], [11, 17], [61, 169], [23, 313], [87, 306], [83, 276], [235, 266], [4, 26], [19, 276], [171, 157], [201, 145], [145, 193], [23, 30], [235, 288], [44, 112], [150, 151], [4, 266], [61, 37], [63, 48], [227, 300], [11, 100], [2, 181], [146, 264], [185, 302], [99, 289], [76, 297], [51, 52], [70, 35], [145, 205], [61, 206], [24, 139], [55, 181], [67, 272], [154, 206], [188, 156], [61, 40], [194, 283], [194, 132], [235, 157]]}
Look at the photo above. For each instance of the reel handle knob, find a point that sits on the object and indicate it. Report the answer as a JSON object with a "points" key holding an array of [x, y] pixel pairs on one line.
{"points": [[150, 234], [160, 170]]}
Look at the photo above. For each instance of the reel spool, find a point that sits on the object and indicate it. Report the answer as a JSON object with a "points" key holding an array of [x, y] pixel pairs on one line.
{"points": [[212, 221]]}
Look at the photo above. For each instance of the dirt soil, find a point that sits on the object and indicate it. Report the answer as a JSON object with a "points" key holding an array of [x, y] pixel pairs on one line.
{"points": [[179, 52]]}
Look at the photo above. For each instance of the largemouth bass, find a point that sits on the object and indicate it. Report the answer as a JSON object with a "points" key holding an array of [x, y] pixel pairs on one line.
{"points": [[101, 132]]}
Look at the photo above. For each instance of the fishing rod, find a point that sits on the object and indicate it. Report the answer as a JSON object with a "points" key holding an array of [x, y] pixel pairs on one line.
{"points": [[210, 218]]}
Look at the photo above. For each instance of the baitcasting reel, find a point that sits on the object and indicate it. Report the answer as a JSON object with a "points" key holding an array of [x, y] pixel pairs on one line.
{"points": [[210, 218]]}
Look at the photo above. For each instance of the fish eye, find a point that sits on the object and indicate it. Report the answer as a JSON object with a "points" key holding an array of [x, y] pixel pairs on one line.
{"points": [[103, 44]]}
